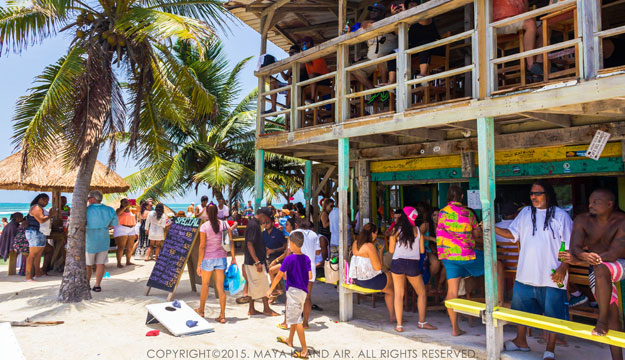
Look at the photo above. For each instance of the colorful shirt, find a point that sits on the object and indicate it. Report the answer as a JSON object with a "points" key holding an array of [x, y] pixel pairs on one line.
{"points": [[454, 238]]}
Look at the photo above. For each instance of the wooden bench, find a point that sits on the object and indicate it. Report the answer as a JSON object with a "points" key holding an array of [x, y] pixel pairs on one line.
{"points": [[474, 308], [323, 279], [360, 290]]}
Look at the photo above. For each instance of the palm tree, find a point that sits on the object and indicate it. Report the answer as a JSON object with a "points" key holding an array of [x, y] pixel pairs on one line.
{"points": [[218, 149], [78, 103]]}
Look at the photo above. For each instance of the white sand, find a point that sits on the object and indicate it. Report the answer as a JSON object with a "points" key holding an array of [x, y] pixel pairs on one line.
{"points": [[112, 326]]}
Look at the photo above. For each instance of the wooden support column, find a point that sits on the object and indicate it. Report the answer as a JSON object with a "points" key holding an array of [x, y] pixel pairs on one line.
{"points": [[486, 150], [260, 108], [294, 118], [345, 296], [589, 16], [483, 50], [342, 15], [342, 84], [308, 186], [403, 69], [364, 193], [259, 177], [468, 164]]}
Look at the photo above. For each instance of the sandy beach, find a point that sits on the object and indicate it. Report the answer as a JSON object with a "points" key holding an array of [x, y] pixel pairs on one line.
{"points": [[112, 326]]}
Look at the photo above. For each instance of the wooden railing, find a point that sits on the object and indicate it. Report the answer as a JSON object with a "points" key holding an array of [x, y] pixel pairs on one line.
{"points": [[580, 52]]}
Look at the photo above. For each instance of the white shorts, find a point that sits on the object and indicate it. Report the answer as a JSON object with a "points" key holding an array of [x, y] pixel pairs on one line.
{"points": [[121, 230], [295, 299], [97, 259], [510, 29]]}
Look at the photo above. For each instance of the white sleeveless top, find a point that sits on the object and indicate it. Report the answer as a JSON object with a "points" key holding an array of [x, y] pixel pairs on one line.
{"points": [[360, 268], [404, 251]]}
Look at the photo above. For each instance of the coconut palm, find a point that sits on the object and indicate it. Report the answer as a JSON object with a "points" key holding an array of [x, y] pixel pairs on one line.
{"points": [[218, 149], [78, 103]]}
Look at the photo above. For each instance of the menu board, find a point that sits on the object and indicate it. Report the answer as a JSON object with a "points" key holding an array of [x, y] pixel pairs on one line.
{"points": [[173, 257]]}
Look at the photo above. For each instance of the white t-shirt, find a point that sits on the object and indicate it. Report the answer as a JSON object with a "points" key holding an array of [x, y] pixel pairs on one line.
{"points": [[156, 227], [309, 248], [45, 227], [334, 228], [223, 213], [539, 252]]}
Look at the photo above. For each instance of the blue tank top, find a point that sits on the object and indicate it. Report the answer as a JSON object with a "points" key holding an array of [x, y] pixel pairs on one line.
{"points": [[33, 224]]}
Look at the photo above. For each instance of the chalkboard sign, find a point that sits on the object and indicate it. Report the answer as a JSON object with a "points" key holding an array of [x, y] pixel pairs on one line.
{"points": [[174, 254]]}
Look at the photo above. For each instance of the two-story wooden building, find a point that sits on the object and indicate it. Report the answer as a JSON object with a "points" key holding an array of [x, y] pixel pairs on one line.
{"points": [[500, 98]]}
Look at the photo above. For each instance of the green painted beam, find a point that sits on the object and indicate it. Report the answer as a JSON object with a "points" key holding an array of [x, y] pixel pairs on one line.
{"points": [[565, 168], [307, 185], [259, 176], [486, 153]]}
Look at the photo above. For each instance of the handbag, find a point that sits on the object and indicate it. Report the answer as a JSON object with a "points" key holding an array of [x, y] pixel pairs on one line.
{"points": [[225, 239], [347, 280], [331, 272]]}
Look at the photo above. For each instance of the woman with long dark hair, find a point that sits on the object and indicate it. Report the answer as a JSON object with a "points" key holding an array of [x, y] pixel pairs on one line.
{"points": [[366, 267], [213, 258], [141, 247], [124, 233], [407, 246], [36, 239], [155, 226]]}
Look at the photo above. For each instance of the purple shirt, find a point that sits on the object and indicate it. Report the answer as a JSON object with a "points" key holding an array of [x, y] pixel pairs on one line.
{"points": [[296, 267]]}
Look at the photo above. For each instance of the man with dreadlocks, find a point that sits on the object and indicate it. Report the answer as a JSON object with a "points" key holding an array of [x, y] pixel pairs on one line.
{"points": [[541, 229], [602, 231]]}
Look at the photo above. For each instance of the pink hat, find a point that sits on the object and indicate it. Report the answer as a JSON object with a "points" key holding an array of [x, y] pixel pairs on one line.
{"points": [[411, 213]]}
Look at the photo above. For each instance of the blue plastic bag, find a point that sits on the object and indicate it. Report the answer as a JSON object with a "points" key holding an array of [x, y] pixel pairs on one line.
{"points": [[234, 281]]}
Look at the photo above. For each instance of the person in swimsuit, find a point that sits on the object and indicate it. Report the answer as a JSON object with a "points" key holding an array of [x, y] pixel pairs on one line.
{"points": [[124, 233], [36, 239]]}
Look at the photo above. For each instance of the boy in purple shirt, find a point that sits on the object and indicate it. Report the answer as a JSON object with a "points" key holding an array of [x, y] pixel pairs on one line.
{"points": [[298, 274]]}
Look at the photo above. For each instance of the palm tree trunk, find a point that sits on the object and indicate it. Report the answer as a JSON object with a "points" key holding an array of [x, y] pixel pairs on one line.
{"points": [[74, 287]]}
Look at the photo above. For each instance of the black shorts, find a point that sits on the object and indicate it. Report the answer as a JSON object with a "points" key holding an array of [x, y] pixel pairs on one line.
{"points": [[376, 283], [405, 267]]}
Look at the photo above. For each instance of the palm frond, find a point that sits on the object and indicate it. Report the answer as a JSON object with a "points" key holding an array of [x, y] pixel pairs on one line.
{"points": [[211, 11]]}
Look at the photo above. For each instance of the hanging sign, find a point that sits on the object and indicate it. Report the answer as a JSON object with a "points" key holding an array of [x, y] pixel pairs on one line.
{"points": [[597, 144]]}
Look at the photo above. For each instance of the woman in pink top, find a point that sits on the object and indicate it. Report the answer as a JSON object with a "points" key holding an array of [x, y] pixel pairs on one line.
{"points": [[212, 257]]}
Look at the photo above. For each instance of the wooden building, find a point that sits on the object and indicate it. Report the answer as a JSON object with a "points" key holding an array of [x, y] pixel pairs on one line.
{"points": [[476, 111]]}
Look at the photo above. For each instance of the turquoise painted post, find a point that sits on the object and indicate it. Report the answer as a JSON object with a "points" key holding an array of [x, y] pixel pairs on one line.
{"points": [[486, 150], [308, 186], [352, 194], [259, 176], [345, 297]]}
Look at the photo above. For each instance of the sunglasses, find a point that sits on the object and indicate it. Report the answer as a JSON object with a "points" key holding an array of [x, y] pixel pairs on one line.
{"points": [[537, 193]]}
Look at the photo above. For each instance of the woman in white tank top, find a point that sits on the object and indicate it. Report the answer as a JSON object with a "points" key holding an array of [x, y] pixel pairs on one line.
{"points": [[406, 244], [366, 267]]}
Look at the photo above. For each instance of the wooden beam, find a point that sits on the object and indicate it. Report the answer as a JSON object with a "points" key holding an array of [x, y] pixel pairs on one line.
{"points": [[561, 120], [468, 164], [380, 139], [342, 16], [589, 18], [326, 177], [272, 8], [423, 133], [552, 137]]}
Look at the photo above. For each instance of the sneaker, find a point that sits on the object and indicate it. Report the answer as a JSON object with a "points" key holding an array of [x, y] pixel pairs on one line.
{"points": [[578, 300]]}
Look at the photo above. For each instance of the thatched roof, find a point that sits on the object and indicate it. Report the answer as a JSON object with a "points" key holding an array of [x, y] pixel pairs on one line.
{"points": [[53, 176]]}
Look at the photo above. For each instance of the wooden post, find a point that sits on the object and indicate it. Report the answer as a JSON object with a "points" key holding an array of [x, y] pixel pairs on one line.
{"points": [[468, 164], [342, 15], [342, 84], [259, 177], [260, 108], [483, 50], [469, 78], [486, 150], [352, 193], [589, 16], [345, 297], [295, 69], [13, 262], [403, 69], [308, 186], [364, 193]]}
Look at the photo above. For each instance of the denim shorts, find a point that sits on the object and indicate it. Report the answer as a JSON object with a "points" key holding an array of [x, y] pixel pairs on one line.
{"points": [[35, 238], [540, 300], [406, 267], [465, 268], [214, 264]]}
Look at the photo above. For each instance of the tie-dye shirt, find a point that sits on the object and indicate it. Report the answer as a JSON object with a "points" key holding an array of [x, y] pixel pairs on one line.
{"points": [[454, 238]]}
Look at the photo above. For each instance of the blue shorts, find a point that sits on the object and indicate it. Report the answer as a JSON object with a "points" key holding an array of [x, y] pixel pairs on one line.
{"points": [[540, 300], [35, 238], [465, 268], [376, 283], [214, 264]]}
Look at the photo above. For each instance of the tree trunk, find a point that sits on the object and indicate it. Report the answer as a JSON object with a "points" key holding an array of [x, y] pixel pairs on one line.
{"points": [[74, 287]]}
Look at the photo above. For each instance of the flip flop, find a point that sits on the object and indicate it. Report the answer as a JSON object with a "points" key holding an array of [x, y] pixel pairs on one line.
{"points": [[243, 300], [549, 355], [97, 289], [201, 313], [316, 307], [426, 326], [510, 346], [399, 328], [282, 326], [299, 355], [221, 320], [282, 340]]}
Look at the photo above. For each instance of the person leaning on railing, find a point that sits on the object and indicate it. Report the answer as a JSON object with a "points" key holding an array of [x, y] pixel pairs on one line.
{"points": [[376, 47], [420, 33]]}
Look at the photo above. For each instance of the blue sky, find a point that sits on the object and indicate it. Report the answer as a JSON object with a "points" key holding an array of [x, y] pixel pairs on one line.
{"points": [[18, 71]]}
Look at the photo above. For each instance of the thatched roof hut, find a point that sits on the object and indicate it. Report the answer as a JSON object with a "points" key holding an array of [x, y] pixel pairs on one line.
{"points": [[53, 176]]}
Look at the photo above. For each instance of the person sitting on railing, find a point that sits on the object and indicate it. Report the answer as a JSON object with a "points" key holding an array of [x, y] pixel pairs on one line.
{"points": [[503, 9], [314, 68], [376, 47], [420, 33]]}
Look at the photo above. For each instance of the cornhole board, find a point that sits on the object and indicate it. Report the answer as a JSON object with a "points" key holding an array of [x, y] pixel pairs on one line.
{"points": [[175, 321], [8, 343]]}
